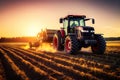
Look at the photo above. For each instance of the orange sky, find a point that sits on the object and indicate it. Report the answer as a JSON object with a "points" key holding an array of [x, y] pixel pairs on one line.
{"points": [[27, 18]]}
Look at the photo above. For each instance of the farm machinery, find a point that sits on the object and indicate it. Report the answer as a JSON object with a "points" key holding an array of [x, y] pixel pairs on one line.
{"points": [[73, 35]]}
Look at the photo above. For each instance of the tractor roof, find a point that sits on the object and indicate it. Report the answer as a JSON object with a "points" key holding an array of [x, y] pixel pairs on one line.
{"points": [[75, 16]]}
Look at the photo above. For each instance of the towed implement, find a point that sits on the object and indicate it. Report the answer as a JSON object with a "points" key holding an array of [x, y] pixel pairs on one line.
{"points": [[45, 35], [73, 35]]}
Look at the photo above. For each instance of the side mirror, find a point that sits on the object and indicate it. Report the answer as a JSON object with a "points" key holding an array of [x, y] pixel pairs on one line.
{"points": [[61, 20], [87, 19], [93, 21]]}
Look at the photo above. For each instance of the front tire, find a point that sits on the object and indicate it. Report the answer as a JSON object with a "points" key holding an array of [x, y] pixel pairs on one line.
{"points": [[100, 46], [71, 45]]}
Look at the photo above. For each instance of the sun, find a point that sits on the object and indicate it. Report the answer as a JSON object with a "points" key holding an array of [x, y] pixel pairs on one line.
{"points": [[33, 30]]}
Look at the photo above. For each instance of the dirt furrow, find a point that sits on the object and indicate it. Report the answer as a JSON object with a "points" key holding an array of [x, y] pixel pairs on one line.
{"points": [[93, 70], [11, 67], [73, 59], [82, 66], [80, 61], [77, 60], [51, 72], [97, 60], [33, 72], [67, 70]]}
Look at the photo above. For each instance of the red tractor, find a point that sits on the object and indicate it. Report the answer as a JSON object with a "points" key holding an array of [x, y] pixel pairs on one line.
{"points": [[74, 35]]}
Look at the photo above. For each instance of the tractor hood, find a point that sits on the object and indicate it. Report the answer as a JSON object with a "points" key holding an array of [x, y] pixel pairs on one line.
{"points": [[87, 28]]}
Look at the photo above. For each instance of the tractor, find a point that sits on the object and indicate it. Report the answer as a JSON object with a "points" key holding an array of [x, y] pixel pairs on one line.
{"points": [[73, 35]]}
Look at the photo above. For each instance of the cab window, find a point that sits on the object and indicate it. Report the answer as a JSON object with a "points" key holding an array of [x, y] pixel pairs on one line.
{"points": [[82, 22], [65, 24]]}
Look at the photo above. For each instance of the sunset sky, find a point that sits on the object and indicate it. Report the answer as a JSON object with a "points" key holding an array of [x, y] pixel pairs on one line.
{"points": [[26, 17]]}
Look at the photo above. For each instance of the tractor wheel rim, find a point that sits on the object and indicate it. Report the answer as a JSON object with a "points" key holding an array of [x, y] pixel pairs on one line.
{"points": [[55, 42], [68, 45]]}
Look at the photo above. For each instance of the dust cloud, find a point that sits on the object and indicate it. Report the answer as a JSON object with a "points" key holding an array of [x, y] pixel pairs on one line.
{"points": [[46, 47], [43, 47]]}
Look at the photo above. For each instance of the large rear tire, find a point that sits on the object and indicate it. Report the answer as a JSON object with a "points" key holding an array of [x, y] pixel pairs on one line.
{"points": [[72, 45], [57, 39], [100, 46]]}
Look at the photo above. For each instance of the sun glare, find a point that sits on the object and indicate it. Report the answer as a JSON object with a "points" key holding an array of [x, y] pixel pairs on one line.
{"points": [[33, 30]]}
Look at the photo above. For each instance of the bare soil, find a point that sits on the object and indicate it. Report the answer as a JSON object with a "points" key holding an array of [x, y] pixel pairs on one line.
{"points": [[2, 73], [28, 64]]}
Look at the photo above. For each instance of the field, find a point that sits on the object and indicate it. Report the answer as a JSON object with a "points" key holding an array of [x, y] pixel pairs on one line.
{"points": [[18, 62]]}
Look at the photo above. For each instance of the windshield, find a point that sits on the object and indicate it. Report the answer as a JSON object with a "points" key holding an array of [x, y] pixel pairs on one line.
{"points": [[77, 22]]}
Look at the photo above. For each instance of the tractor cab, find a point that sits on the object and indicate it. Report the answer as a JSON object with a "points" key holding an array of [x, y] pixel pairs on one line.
{"points": [[70, 22]]}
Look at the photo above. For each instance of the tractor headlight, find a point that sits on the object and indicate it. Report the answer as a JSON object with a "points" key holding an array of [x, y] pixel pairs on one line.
{"points": [[92, 31], [84, 30]]}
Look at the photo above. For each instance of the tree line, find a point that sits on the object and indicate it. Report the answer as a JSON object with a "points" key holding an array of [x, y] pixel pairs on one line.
{"points": [[17, 39]]}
